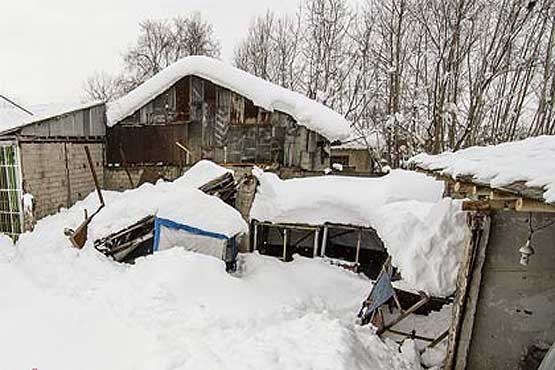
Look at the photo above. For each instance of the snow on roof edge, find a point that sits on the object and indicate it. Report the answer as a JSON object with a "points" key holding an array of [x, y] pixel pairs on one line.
{"points": [[56, 110], [264, 94], [527, 161]]}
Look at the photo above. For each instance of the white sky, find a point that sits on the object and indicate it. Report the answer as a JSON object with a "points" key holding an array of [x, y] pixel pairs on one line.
{"points": [[49, 47]]}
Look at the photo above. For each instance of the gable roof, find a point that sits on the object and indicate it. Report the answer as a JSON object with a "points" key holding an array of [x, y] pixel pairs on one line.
{"points": [[519, 167], [12, 119], [307, 112]]}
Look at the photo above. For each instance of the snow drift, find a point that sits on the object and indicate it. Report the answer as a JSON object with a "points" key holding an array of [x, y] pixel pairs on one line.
{"points": [[264, 94], [530, 161], [424, 234]]}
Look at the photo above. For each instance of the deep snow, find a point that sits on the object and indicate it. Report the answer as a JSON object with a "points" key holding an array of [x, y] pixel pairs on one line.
{"points": [[305, 111], [424, 234], [62, 308], [530, 161]]}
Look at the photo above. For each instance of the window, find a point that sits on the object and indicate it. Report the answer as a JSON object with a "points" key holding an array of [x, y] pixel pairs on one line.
{"points": [[10, 191]]}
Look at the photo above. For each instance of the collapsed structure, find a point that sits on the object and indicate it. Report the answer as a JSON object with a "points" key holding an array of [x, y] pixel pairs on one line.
{"points": [[361, 220], [160, 216], [504, 311]]}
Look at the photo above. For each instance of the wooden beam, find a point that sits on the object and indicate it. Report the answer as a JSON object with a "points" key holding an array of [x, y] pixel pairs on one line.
{"points": [[529, 205], [487, 205], [502, 195]]}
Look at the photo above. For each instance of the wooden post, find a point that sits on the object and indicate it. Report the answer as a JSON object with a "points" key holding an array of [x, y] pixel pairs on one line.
{"points": [[359, 240], [324, 241], [284, 244], [316, 234]]}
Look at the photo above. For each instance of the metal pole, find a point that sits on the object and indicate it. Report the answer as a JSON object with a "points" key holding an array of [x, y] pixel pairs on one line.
{"points": [[316, 234], [284, 244], [255, 241], [358, 245], [324, 241]]}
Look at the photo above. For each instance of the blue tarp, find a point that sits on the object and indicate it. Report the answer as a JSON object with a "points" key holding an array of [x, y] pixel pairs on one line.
{"points": [[159, 222]]}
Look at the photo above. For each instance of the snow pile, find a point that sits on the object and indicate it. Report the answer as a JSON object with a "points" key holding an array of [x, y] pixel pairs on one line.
{"points": [[530, 161], [424, 234], [306, 112], [179, 310], [169, 200], [202, 173], [12, 118]]}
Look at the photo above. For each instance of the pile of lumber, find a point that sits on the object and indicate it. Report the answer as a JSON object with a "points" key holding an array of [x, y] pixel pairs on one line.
{"points": [[223, 187]]}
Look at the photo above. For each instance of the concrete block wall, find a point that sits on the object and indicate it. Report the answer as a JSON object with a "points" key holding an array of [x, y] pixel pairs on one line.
{"points": [[116, 178], [516, 304], [57, 173]]}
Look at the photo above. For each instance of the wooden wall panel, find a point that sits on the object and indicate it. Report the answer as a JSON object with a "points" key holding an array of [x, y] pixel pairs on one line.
{"points": [[146, 144]]}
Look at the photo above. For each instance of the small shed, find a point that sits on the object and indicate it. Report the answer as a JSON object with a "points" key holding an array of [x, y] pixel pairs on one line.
{"points": [[42, 159], [359, 153], [504, 312]]}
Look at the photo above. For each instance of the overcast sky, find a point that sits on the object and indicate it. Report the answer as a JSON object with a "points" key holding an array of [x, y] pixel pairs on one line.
{"points": [[48, 47]]}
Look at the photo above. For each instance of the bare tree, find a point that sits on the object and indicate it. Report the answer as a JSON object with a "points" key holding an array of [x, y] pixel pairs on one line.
{"points": [[161, 42], [101, 86]]}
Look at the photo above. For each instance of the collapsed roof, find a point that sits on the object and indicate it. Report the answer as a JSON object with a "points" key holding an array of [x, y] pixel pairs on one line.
{"points": [[179, 201], [307, 112], [516, 167], [424, 234]]}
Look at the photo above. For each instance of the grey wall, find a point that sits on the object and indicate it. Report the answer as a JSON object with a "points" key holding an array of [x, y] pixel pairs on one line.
{"points": [[516, 305]]}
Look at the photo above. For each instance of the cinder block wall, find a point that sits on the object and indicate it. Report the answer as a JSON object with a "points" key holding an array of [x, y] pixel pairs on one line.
{"points": [[116, 178], [57, 174]]}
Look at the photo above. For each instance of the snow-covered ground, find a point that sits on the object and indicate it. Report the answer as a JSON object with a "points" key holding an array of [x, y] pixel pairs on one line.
{"points": [[67, 309], [63, 308]]}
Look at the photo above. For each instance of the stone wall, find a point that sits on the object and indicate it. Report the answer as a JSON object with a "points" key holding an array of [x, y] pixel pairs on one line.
{"points": [[57, 173]]}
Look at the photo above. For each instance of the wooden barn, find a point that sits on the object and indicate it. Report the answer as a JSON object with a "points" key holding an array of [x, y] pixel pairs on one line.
{"points": [[504, 312], [201, 108], [43, 165]]}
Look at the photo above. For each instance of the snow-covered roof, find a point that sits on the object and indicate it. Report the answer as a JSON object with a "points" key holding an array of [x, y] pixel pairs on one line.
{"points": [[305, 111], [424, 234], [12, 118], [169, 200], [530, 161]]}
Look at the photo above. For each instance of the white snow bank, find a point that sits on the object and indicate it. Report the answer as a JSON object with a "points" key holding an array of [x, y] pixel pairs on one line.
{"points": [[424, 234], [530, 160], [179, 310], [202, 173], [12, 118], [306, 112]]}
